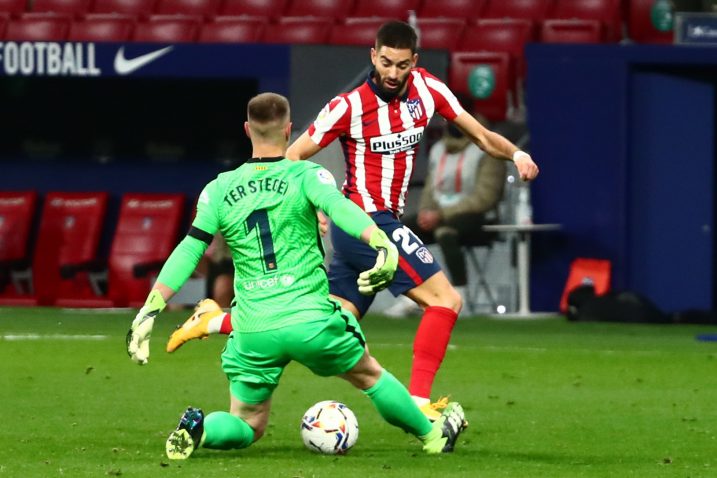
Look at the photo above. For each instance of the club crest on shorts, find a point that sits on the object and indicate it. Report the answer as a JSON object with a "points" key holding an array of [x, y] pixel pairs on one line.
{"points": [[424, 255], [414, 108]]}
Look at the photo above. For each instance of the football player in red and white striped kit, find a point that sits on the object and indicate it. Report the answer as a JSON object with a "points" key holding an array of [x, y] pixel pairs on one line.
{"points": [[379, 125]]}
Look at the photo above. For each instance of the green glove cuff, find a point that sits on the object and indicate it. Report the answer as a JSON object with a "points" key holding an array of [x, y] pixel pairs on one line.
{"points": [[379, 239], [155, 301]]}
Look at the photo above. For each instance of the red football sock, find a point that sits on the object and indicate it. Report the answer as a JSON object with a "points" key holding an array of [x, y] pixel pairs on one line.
{"points": [[429, 348], [226, 327]]}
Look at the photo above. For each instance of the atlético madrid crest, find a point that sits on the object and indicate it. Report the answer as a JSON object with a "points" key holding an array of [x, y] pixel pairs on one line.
{"points": [[425, 255], [414, 108]]}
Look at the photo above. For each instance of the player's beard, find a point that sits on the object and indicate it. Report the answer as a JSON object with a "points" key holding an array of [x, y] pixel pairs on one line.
{"points": [[389, 91]]}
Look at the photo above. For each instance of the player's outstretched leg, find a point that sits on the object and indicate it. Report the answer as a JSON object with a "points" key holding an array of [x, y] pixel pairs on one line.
{"points": [[450, 426], [206, 319], [188, 435]]}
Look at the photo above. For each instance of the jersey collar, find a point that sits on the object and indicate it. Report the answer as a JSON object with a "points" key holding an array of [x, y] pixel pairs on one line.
{"points": [[381, 94], [266, 160]]}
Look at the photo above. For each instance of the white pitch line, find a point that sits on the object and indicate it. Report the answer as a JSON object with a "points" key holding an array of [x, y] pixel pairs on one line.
{"points": [[404, 346], [19, 337], [519, 349]]}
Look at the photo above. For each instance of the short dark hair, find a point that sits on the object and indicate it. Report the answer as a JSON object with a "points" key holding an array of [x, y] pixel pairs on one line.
{"points": [[395, 34], [267, 108]]}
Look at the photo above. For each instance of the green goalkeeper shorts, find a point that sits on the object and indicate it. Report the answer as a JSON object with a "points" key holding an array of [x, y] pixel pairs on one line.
{"points": [[254, 361]]}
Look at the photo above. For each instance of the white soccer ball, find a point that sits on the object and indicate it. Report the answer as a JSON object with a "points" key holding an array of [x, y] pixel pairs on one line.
{"points": [[329, 427]]}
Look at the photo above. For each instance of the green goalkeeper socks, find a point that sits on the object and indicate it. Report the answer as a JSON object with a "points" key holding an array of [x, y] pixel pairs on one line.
{"points": [[224, 431], [396, 406]]}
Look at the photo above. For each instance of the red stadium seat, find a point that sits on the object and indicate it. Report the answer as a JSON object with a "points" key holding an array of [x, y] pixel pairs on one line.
{"points": [[13, 7], [255, 8], [395, 9], [17, 210], [147, 232], [336, 9], [299, 30], [440, 33], [167, 29], [38, 27], [128, 7], [68, 7], [359, 31], [508, 35], [452, 8], [529, 9], [571, 31], [606, 11], [233, 30], [99, 27], [492, 72], [66, 248], [205, 8], [640, 25], [63, 269]]}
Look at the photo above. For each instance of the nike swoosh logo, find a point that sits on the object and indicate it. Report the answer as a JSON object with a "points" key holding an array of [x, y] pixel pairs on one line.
{"points": [[367, 123], [123, 66]]}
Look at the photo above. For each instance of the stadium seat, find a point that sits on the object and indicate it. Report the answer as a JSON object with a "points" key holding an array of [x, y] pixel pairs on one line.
{"points": [[299, 30], [606, 11], [440, 33], [571, 31], [17, 210], [452, 8], [78, 220], [641, 27], [66, 247], [492, 72], [128, 7], [584, 270], [232, 29], [395, 9], [336, 9], [359, 31], [38, 27], [528, 9], [205, 8], [67, 7], [256, 8], [507, 35], [167, 29], [99, 27], [13, 7], [147, 232]]}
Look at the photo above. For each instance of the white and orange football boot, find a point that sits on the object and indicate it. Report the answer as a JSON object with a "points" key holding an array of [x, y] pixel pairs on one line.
{"points": [[197, 326], [434, 410]]}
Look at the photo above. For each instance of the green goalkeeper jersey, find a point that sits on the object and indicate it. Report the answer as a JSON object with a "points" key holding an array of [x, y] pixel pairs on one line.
{"points": [[266, 211]]}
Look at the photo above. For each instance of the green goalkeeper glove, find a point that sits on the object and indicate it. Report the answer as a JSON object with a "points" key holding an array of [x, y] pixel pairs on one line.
{"points": [[380, 275], [141, 329]]}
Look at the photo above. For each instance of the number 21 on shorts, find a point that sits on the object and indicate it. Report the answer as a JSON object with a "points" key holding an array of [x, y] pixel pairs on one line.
{"points": [[406, 239]]}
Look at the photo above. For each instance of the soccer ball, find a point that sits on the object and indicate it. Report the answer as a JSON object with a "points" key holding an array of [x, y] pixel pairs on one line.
{"points": [[329, 427]]}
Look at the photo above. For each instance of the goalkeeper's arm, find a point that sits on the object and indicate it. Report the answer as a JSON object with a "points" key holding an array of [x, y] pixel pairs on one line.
{"points": [[175, 272], [352, 219], [320, 188]]}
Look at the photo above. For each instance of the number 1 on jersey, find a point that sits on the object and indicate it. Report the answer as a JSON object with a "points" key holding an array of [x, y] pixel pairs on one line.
{"points": [[259, 219]]}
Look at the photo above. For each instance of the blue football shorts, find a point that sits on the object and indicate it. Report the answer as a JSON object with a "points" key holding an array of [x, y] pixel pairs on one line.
{"points": [[352, 256]]}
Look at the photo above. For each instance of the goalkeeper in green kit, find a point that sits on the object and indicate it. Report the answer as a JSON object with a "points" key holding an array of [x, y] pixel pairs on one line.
{"points": [[266, 211]]}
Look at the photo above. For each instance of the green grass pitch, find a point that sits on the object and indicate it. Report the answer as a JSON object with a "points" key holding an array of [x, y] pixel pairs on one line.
{"points": [[545, 398]]}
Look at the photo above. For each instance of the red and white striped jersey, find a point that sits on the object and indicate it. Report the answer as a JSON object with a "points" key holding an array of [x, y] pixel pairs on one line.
{"points": [[379, 137]]}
